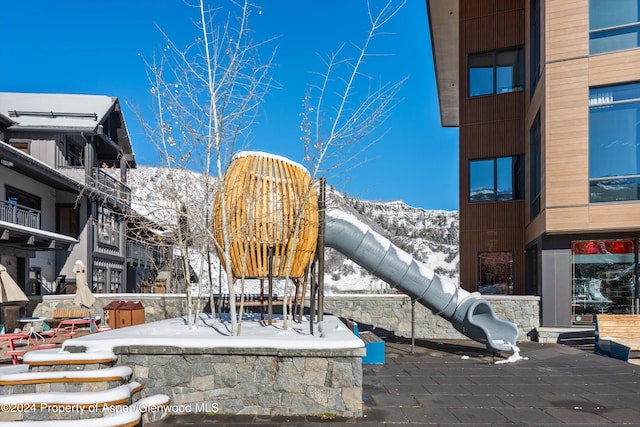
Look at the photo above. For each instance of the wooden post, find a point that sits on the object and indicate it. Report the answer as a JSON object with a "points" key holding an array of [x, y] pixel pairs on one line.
{"points": [[270, 295], [321, 221]]}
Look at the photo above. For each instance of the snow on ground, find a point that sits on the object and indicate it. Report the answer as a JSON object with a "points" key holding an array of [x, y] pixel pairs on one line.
{"points": [[331, 333]]}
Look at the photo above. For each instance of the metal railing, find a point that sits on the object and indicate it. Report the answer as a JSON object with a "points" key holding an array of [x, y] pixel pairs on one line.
{"points": [[111, 187], [18, 214], [148, 255]]}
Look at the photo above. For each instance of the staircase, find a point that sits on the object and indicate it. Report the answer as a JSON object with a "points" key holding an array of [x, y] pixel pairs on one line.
{"points": [[58, 388]]}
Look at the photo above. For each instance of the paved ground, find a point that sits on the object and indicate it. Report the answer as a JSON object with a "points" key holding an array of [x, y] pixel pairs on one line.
{"points": [[457, 383]]}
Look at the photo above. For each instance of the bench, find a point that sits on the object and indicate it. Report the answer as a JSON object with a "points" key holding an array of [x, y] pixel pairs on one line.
{"points": [[373, 344], [74, 313], [617, 335]]}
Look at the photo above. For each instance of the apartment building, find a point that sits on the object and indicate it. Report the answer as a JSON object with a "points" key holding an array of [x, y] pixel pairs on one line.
{"points": [[63, 195], [546, 96]]}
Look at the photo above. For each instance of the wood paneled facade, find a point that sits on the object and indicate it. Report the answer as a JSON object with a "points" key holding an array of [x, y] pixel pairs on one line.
{"points": [[491, 126], [546, 261]]}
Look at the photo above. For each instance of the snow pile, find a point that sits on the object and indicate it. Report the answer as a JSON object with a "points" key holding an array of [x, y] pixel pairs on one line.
{"points": [[216, 333], [514, 357]]}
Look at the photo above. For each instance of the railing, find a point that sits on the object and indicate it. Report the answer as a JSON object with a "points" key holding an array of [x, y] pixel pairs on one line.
{"points": [[139, 254], [18, 214], [111, 187]]}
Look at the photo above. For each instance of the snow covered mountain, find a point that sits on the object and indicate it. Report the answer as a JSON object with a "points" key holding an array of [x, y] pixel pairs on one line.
{"points": [[430, 236]]}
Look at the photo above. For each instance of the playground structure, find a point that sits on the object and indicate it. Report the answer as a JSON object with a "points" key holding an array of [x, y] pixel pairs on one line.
{"points": [[275, 219]]}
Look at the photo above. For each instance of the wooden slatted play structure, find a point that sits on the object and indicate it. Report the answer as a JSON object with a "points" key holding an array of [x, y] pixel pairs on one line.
{"points": [[265, 195]]}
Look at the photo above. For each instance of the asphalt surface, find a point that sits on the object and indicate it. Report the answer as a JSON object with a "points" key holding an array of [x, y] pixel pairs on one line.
{"points": [[457, 383]]}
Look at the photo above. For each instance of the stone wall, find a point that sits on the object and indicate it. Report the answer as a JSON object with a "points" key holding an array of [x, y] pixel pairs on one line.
{"points": [[250, 381], [392, 312], [386, 311], [156, 306]]}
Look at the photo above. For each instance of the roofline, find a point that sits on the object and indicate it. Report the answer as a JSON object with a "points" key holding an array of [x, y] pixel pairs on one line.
{"points": [[66, 129], [444, 23], [6, 120]]}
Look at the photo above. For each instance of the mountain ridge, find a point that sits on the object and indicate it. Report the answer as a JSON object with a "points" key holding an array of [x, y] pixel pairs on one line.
{"points": [[430, 236]]}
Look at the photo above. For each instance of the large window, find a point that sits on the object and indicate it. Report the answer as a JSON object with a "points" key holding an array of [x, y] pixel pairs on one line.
{"points": [[108, 227], [604, 278], [498, 179], [614, 143], [72, 152], [613, 25], [496, 72], [496, 273], [22, 198], [535, 167]]}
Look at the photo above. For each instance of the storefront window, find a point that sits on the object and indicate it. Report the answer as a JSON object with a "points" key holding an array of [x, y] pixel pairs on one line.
{"points": [[496, 273], [603, 278]]}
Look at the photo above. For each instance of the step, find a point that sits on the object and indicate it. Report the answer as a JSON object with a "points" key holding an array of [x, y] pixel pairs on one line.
{"points": [[72, 400], [151, 403], [152, 408], [148, 409], [116, 373], [56, 356], [128, 418]]}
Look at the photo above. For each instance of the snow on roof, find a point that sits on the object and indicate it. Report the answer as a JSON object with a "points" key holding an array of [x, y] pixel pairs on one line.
{"points": [[41, 233], [331, 333], [59, 110]]}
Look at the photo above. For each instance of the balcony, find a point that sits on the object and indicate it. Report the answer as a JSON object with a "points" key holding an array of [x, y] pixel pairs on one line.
{"points": [[115, 191], [19, 215], [138, 254], [20, 229]]}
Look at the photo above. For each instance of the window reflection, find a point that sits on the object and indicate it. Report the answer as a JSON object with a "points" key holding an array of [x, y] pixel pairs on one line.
{"points": [[603, 278], [496, 72], [614, 143], [496, 273], [497, 179], [613, 25]]}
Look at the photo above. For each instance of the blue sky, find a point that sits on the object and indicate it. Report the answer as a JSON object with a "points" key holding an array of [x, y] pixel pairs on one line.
{"points": [[96, 47]]}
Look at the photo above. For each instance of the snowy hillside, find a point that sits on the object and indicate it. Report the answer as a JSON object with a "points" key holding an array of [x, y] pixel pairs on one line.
{"points": [[430, 236]]}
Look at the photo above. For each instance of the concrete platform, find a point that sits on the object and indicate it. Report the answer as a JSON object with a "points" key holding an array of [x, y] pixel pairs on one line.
{"points": [[457, 383]]}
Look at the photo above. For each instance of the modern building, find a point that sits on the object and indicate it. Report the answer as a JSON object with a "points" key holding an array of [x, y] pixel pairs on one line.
{"points": [[63, 195], [546, 96]]}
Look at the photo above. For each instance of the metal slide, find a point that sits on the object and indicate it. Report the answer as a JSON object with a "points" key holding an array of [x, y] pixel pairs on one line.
{"points": [[468, 312]]}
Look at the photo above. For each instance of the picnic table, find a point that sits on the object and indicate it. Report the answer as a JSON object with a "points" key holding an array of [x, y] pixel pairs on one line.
{"points": [[68, 326], [17, 341]]}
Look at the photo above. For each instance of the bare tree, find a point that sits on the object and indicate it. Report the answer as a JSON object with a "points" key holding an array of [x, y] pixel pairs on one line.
{"points": [[343, 113], [207, 96]]}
